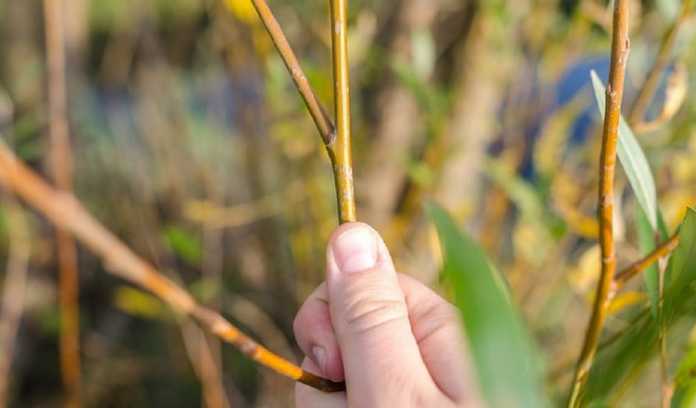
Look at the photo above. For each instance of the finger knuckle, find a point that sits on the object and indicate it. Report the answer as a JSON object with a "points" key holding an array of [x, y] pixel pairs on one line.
{"points": [[373, 307], [436, 318]]}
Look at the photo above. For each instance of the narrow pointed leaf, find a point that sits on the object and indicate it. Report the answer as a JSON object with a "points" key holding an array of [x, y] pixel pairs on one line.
{"points": [[632, 159], [505, 359]]}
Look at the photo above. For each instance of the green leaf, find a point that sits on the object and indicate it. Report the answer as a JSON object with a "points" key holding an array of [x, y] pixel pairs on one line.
{"points": [[139, 303], [685, 381], [681, 273], [630, 353], [646, 243], [505, 359], [184, 244], [632, 159]]}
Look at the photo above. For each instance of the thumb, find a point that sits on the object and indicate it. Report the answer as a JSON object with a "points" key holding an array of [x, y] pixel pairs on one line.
{"points": [[370, 317]]}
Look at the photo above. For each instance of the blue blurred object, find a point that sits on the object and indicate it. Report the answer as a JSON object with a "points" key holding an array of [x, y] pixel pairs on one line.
{"points": [[577, 79]]}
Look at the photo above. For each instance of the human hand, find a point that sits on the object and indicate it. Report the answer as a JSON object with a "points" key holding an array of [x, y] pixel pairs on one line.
{"points": [[395, 342]]}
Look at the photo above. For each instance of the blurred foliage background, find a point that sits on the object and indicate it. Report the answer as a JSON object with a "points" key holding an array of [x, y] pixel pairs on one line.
{"points": [[192, 145]]}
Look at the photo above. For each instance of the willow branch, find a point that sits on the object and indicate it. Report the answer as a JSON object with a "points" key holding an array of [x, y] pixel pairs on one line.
{"points": [[639, 266], [318, 113], [64, 211], [652, 80], [60, 157], [341, 152], [619, 57], [336, 138]]}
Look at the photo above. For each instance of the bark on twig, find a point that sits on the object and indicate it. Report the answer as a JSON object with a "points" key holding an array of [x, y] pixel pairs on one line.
{"points": [[639, 266], [321, 119], [337, 139], [340, 150], [63, 210], [619, 57]]}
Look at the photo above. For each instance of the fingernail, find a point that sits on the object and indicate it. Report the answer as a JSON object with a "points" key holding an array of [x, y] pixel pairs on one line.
{"points": [[355, 250], [319, 357]]}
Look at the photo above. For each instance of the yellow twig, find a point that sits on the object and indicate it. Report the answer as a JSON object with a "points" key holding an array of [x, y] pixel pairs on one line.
{"points": [[637, 267], [64, 211], [318, 113], [619, 57], [336, 138], [341, 151]]}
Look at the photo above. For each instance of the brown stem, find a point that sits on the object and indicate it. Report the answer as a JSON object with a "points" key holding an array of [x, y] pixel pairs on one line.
{"points": [[341, 149], [321, 119], [639, 266], [60, 157], [619, 57], [652, 80], [64, 211]]}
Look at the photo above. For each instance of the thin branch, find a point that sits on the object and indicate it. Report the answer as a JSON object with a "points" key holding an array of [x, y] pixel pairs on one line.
{"points": [[337, 140], [60, 157], [652, 80], [321, 119], [341, 152], [63, 210], [619, 57], [639, 266], [13, 291]]}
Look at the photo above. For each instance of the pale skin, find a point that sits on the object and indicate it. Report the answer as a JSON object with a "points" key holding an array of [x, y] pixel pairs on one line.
{"points": [[395, 342]]}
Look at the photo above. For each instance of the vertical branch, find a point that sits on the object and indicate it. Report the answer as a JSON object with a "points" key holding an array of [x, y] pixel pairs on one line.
{"points": [[619, 57], [341, 149], [13, 292], [652, 80], [60, 157], [336, 138], [316, 111]]}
